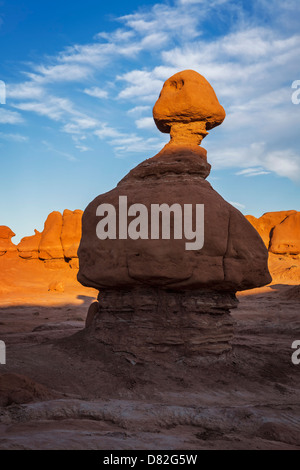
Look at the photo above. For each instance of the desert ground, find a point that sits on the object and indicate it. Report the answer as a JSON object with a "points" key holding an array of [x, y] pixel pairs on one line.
{"points": [[60, 392]]}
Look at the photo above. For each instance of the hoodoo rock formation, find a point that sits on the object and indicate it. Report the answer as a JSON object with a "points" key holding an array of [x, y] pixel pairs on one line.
{"points": [[157, 298]]}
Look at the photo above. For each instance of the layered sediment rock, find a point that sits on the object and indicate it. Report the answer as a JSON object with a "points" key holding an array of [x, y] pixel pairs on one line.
{"points": [[156, 296], [150, 323]]}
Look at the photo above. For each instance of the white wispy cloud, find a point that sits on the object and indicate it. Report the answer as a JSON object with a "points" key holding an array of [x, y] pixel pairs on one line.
{"points": [[145, 123], [25, 90], [79, 141], [117, 36], [10, 117], [175, 21], [51, 149], [96, 92], [142, 85], [212, 3], [284, 162], [154, 40], [80, 125], [14, 137], [107, 132], [238, 205], [53, 107], [256, 160], [59, 73], [138, 110], [98, 55], [136, 144], [252, 172], [250, 67]]}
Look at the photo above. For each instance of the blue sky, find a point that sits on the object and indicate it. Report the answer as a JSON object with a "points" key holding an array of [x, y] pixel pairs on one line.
{"points": [[82, 78]]}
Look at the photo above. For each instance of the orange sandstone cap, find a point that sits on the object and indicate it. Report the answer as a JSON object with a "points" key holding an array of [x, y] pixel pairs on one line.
{"points": [[187, 97]]}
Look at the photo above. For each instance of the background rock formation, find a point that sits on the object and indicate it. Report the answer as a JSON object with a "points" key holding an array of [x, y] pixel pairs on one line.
{"points": [[269, 226], [28, 247], [50, 245], [285, 237], [266, 224], [71, 232], [58, 241], [6, 245]]}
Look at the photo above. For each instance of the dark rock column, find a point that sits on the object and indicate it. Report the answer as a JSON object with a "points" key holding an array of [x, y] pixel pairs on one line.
{"points": [[152, 324]]}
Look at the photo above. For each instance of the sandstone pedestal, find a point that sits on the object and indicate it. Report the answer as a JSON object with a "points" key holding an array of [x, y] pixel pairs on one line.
{"points": [[151, 324]]}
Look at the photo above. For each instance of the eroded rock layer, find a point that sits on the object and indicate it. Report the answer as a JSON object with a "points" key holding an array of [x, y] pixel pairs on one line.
{"points": [[153, 324], [233, 256]]}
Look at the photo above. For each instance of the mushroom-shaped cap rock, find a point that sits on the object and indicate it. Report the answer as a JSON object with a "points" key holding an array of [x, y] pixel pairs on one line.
{"points": [[187, 97]]}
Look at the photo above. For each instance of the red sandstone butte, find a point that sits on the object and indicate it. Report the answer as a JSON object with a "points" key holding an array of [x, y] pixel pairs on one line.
{"points": [[50, 245], [71, 232], [266, 223], [28, 247]]}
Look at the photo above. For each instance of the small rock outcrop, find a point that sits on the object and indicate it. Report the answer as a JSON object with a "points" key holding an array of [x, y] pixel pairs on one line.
{"points": [[285, 238], [56, 286], [6, 245], [28, 247], [19, 389]]}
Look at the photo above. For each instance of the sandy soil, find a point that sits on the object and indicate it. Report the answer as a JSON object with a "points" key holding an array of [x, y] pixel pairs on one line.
{"points": [[78, 395]]}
